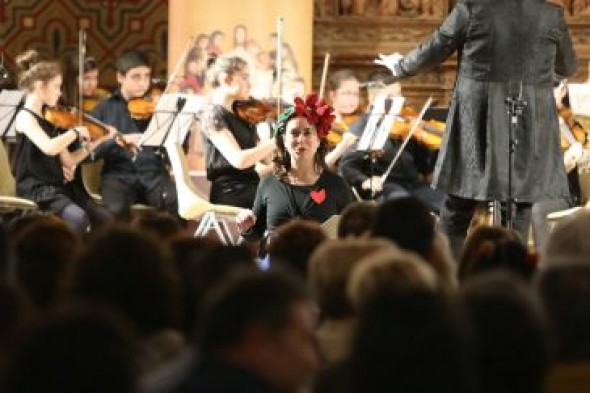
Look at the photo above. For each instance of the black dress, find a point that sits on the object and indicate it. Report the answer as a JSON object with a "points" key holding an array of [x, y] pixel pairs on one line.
{"points": [[40, 178], [278, 202], [229, 185]]}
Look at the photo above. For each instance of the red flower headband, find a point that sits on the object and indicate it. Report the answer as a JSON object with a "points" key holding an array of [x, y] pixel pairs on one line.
{"points": [[315, 110]]}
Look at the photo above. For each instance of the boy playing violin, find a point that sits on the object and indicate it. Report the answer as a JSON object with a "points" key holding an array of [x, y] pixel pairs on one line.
{"points": [[126, 180], [408, 176]]}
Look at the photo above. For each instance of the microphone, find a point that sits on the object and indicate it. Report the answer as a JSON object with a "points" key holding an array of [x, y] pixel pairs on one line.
{"points": [[381, 82]]}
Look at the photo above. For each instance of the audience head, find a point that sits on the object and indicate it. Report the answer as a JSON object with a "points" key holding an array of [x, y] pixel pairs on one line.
{"points": [[510, 333], [293, 243], [408, 223], [301, 132], [43, 251], [160, 224], [330, 268], [204, 264], [357, 220], [569, 238], [489, 248], [564, 288], [413, 342], [128, 270], [389, 271], [263, 321], [76, 349]]}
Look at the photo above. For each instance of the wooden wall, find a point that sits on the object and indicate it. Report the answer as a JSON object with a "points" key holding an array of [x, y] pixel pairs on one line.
{"points": [[354, 32]]}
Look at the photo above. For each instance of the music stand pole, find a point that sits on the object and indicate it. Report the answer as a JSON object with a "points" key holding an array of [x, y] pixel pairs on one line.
{"points": [[160, 150], [515, 106]]}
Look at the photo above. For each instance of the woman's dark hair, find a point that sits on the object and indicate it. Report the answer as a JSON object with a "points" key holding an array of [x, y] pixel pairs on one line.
{"points": [[282, 158]]}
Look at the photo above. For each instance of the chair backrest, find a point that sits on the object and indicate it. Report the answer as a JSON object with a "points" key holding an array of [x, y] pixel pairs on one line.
{"points": [[190, 204], [7, 182], [91, 176]]}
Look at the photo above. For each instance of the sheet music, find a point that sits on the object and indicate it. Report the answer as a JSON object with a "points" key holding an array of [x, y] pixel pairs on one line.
{"points": [[165, 114], [9, 102], [380, 122], [579, 98]]}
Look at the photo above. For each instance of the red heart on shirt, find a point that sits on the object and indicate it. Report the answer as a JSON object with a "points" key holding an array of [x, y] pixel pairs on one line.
{"points": [[318, 196]]}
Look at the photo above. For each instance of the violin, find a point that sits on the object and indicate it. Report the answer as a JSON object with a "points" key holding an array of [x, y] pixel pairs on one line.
{"points": [[90, 102], [64, 117], [142, 108], [428, 132], [254, 111], [573, 129], [340, 127]]}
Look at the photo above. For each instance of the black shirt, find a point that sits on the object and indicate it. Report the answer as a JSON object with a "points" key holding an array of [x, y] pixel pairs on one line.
{"points": [[278, 202], [32, 163], [215, 118], [146, 166], [356, 166]]}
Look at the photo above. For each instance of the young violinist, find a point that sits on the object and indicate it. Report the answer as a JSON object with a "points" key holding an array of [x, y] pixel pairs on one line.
{"points": [[408, 176], [127, 179], [233, 148], [573, 152], [92, 95], [343, 89], [45, 168]]}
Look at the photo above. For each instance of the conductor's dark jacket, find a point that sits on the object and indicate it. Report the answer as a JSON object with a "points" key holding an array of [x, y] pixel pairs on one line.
{"points": [[504, 48]]}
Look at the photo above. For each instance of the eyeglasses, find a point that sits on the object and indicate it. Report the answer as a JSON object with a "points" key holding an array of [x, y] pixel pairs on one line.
{"points": [[348, 93]]}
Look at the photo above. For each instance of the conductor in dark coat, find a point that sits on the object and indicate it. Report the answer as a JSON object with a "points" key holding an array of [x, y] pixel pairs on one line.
{"points": [[504, 47]]}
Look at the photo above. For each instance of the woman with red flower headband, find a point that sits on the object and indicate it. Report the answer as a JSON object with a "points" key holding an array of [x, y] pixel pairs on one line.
{"points": [[301, 187]]}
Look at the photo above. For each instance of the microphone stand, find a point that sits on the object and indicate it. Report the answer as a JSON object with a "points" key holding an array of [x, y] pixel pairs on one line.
{"points": [[515, 106]]}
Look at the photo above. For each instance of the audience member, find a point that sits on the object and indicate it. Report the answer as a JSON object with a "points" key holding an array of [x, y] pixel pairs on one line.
{"points": [[330, 267], [489, 248], [129, 271], [75, 350], [293, 243], [509, 332], [410, 341], [356, 220], [256, 335]]}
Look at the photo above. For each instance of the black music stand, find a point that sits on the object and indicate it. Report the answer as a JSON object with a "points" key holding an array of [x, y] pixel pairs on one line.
{"points": [[376, 132], [172, 119]]}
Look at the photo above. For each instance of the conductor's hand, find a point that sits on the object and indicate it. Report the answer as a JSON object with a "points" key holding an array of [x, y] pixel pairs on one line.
{"points": [[245, 220], [373, 184], [389, 61]]}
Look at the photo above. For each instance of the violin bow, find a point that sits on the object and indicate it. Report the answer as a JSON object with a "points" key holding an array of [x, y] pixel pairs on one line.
{"points": [[324, 75], [172, 77], [279, 63], [81, 57], [407, 139]]}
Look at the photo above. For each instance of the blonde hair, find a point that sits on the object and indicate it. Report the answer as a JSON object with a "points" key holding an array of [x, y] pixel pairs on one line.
{"points": [[224, 64], [33, 69], [386, 272]]}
